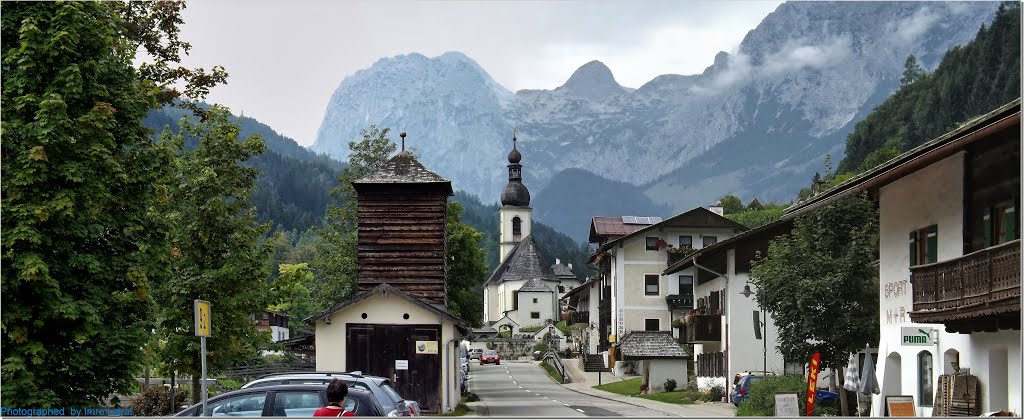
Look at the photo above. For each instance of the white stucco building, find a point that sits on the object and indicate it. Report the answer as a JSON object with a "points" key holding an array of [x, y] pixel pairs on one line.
{"points": [[722, 326], [949, 269], [634, 294]]}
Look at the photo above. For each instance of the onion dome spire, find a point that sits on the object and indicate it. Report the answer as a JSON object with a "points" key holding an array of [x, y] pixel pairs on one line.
{"points": [[515, 193]]}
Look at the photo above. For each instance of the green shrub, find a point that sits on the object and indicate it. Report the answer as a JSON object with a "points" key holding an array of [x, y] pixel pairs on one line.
{"points": [[156, 401], [541, 346], [760, 401], [670, 385], [691, 395], [716, 393]]}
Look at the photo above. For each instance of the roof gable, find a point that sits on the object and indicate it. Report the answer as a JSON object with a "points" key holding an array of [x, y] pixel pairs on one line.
{"points": [[381, 289], [651, 345], [535, 285], [698, 217], [403, 168], [563, 272], [524, 262], [604, 226]]}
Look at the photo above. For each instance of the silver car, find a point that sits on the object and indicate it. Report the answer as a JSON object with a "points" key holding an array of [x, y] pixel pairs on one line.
{"points": [[393, 403]]}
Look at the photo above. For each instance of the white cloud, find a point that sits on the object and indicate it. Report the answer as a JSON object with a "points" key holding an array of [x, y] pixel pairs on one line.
{"points": [[916, 25], [792, 57]]}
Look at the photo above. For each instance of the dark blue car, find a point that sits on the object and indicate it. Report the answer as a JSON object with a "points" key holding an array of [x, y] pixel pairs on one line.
{"points": [[743, 389]]}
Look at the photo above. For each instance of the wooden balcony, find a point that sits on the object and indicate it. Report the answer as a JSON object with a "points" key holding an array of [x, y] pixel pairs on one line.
{"points": [[977, 292], [582, 317], [677, 302], [704, 329]]}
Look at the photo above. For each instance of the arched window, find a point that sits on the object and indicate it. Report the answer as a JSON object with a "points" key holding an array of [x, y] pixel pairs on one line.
{"points": [[517, 228], [924, 378]]}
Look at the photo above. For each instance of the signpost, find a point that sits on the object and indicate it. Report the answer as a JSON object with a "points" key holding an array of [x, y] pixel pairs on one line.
{"points": [[812, 382], [202, 318]]}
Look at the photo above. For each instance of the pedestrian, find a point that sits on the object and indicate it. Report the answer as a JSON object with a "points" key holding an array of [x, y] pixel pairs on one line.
{"points": [[336, 392]]}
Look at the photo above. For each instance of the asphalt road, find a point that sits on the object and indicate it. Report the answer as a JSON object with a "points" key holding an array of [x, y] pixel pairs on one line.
{"points": [[525, 390]]}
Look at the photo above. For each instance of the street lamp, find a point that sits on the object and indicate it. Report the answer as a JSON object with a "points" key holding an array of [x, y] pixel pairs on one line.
{"points": [[764, 324]]}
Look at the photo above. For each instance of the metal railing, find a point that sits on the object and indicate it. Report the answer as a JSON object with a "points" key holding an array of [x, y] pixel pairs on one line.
{"points": [[556, 361]]}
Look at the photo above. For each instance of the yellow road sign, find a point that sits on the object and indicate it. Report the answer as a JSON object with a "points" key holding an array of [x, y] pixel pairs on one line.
{"points": [[202, 315]]}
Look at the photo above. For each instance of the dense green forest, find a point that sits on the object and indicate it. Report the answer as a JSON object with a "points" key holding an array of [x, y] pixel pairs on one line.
{"points": [[293, 187], [971, 80]]}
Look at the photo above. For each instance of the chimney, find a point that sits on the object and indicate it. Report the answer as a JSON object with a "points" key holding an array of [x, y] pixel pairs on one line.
{"points": [[557, 261], [717, 208], [570, 266]]}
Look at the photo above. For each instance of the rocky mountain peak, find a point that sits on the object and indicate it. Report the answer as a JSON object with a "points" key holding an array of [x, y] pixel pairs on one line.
{"points": [[593, 80]]}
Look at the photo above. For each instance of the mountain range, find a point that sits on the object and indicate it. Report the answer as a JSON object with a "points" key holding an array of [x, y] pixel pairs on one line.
{"points": [[757, 123]]}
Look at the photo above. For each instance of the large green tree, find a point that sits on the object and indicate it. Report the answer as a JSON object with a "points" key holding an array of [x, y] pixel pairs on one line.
{"points": [[467, 267], [822, 271], [81, 177], [334, 265], [216, 253]]}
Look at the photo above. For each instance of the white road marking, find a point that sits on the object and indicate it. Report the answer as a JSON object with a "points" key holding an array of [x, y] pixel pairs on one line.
{"points": [[565, 404], [580, 411], [546, 398], [520, 386]]}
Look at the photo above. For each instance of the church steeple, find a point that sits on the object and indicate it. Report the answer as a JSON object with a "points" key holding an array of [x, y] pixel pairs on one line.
{"points": [[515, 209], [515, 194]]}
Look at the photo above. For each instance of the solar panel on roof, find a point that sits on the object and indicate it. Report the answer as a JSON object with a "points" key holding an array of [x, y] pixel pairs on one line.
{"points": [[629, 220]]}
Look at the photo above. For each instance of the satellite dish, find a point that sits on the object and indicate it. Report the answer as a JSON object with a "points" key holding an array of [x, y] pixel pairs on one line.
{"points": [[757, 325]]}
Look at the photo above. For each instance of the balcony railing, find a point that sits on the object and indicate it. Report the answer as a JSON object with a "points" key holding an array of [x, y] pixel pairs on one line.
{"points": [[703, 328], [679, 301], [975, 287], [582, 317]]}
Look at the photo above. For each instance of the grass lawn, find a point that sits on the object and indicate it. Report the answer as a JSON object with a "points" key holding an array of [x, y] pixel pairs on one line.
{"points": [[627, 387], [631, 387], [460, 410]]}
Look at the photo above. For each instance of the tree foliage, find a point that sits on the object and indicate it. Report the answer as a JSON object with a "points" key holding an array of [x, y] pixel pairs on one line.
{"points": [[467, 267], [82, 245], [292, 296], [730, 204], [216, 253], [334, 265], [971, 80], [822, 271]]}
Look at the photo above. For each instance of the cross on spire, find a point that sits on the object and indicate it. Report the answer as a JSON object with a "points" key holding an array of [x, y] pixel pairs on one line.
{"points": [[513, 137], [402, 135]]}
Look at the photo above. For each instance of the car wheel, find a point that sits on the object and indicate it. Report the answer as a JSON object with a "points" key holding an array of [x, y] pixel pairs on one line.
{"points": [[497, 363]]}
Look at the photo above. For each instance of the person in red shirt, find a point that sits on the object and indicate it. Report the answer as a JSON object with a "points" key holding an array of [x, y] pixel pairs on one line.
{"points": [[336, 392]]}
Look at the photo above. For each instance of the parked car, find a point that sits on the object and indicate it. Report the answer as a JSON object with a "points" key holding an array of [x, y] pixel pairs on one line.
{"points": [[475, 353], [283, 401], [393, 403], [490, 356], [745, 382]]}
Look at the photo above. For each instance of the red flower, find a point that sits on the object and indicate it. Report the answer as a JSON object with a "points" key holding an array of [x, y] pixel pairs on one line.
{"points": [[661, 243]]}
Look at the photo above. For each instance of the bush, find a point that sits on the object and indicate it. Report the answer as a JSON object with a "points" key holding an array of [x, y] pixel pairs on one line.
{"points": [[691, 395], [670, 385], [716, 393], [760, 401], [156, 401], [541, 346]]}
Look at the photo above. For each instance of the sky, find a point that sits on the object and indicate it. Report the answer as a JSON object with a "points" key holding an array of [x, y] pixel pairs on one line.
{"points": [[286, 58]]}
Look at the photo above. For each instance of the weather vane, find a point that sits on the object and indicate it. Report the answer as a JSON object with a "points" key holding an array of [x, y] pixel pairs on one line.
{"points": [[513, 137]]}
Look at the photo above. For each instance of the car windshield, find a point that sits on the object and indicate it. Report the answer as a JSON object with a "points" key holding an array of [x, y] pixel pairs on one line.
{"points": [[490, 352]]}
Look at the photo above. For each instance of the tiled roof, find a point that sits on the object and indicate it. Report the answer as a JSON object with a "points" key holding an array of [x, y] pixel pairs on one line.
{"points": [[524, 262], [563, 272], [651, 344], [402, 169], [698, 217], [535, 285], [605, 226], [386, 288]]}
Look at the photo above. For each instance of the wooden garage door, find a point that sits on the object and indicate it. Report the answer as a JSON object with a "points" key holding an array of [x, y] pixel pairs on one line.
{"points": [[374, 349]]}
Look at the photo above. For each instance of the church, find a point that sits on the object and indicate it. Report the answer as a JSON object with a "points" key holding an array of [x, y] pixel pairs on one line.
{"points": [[525, 289]]}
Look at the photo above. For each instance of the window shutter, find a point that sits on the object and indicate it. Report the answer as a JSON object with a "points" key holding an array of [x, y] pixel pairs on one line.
{"points": [[913, 248], [1009, 224], [986, 221], [933, 243]]}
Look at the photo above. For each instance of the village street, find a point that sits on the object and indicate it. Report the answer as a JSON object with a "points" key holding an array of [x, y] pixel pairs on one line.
{"points": [[523, 389]]}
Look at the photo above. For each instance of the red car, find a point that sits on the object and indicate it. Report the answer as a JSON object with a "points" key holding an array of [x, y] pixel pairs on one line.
{"points": [[490, 356]]}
